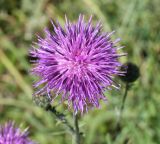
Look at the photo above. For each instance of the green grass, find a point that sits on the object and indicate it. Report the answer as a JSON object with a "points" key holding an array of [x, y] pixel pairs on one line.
{"points": [[137, 22]]}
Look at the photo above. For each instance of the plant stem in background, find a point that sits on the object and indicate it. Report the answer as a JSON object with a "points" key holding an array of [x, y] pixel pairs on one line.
{"points": [[77, 133], [122, 106], [124, 98]]}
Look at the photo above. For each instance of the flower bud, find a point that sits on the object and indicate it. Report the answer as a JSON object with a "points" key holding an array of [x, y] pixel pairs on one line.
{"points": [[132, 72]]}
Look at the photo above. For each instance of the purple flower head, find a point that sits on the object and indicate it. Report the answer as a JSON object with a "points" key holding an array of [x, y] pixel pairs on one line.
{"points": [[76, 62], [9, 134]]}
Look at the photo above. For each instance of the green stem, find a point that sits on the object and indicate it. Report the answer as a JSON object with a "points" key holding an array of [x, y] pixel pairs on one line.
{"points": [[122, 106], [60, 117], [124, 98], [77, 133]]}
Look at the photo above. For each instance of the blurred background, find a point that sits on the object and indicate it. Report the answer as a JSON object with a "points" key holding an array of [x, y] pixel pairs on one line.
{"points": [[137, 22]]}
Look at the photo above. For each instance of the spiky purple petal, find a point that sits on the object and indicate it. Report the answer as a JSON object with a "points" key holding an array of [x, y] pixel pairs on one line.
{"points": [[10, 134], [78, 62]]}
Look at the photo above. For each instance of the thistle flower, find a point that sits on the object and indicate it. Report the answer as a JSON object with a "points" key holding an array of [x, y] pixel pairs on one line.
{"points": [[9, 134], [76, 62]]}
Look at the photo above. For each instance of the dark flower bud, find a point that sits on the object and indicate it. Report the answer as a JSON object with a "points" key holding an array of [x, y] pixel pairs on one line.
{"points": [[132, 72], [42, 100]]}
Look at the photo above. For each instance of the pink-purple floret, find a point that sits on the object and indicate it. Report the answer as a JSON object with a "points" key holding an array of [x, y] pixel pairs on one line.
{"points": [[10, 134], [77, 63]]}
